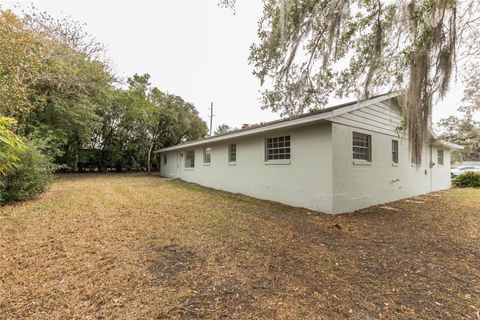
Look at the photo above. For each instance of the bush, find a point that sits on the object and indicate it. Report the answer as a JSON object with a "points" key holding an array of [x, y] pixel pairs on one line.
{"points": [[10, 145], [31, 175], [467, 179]]}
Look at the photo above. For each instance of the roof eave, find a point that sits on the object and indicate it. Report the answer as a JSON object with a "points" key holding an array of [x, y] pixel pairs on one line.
{"points": [[447, 145], [283, 125], [236, 135]]}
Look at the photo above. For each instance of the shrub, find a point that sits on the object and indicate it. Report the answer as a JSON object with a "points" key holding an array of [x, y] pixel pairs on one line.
{"points": [[31, 175], [10, 144], [467, 179]]}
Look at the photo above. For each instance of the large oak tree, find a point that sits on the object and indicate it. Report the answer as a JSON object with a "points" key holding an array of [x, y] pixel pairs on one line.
{"points": [[309, 50]]}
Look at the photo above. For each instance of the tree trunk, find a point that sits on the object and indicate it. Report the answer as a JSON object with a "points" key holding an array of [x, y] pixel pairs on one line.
{"points": [[149, 158], [103, 162]]}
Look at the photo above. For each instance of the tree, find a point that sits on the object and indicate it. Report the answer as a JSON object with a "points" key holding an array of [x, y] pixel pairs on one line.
{"points": [[142, 119], [113, 137], [68, 106], [465, 130], [21, 60], [471, 94], [176, 121], [50, 82], [63, 96], [10, 145], [59, 102], [222, 129], [311, 49], [153, 98]]}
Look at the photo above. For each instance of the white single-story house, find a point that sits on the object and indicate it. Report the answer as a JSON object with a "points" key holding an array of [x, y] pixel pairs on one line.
{"points": [[335, 160]]}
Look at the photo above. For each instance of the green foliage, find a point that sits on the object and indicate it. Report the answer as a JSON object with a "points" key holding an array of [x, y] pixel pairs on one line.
{"points": [[51, 82], [467, 179], [31, 176], [10, 145], [65, 99], [20, 63], [464, 129], [59, 103], [309, 50], [24, 170], [67, 107], [222, 129], [140, 120]]}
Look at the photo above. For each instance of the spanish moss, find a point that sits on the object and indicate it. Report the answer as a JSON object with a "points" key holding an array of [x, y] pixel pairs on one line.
{"points": [[311, 50]]}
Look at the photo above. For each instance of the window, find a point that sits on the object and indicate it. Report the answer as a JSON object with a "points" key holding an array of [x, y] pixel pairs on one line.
{"points": [[190, 159], [440, 157], [207, 155], [395, 151], [232, 152], [277, 148], [165, 158], [362, 146]]}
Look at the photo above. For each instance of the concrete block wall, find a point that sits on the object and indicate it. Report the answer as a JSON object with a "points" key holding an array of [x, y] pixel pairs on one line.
{"points": [[357, 185], [322, 174], [304, 181]]}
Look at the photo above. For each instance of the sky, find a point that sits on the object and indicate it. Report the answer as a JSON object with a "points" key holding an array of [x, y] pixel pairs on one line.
{"points": [[193, 49]]}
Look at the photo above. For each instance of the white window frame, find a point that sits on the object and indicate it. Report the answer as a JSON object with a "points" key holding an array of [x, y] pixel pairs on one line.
{"points": [[232, 150], [190, 163], [207, 156], [440, 151], [279, 147], [368, 148], [395, 152]]}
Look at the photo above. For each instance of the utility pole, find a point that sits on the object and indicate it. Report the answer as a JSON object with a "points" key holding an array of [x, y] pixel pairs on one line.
{"points": [[211, 117]]}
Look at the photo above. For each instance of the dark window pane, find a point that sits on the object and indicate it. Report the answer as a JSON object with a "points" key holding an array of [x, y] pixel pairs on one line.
{"points": [[361, 146]]}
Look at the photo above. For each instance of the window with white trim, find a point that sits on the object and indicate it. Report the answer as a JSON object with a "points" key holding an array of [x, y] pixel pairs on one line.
{"points": [[190, 159], [362, 146], [277, 148], [440, 157], [207, 155], [395, 151], [232, 152]]}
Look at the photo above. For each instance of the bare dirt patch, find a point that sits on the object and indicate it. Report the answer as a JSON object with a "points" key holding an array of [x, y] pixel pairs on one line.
{"points": [[141, 247], [171, 261]]}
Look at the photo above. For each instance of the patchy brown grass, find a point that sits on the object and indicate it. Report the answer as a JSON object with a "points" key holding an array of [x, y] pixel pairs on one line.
{"points": [[139, 247]]}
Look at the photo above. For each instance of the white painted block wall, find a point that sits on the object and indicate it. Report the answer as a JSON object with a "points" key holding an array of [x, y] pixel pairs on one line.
{"points": [[305, 182], [441, 179], [322, 174], [358, 186]]}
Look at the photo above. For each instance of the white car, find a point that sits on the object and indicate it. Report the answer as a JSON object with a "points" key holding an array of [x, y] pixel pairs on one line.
{"points": [[462, 169]]}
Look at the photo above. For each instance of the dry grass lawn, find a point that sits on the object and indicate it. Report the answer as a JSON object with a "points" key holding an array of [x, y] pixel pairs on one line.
{"points": [[141, 247]]}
